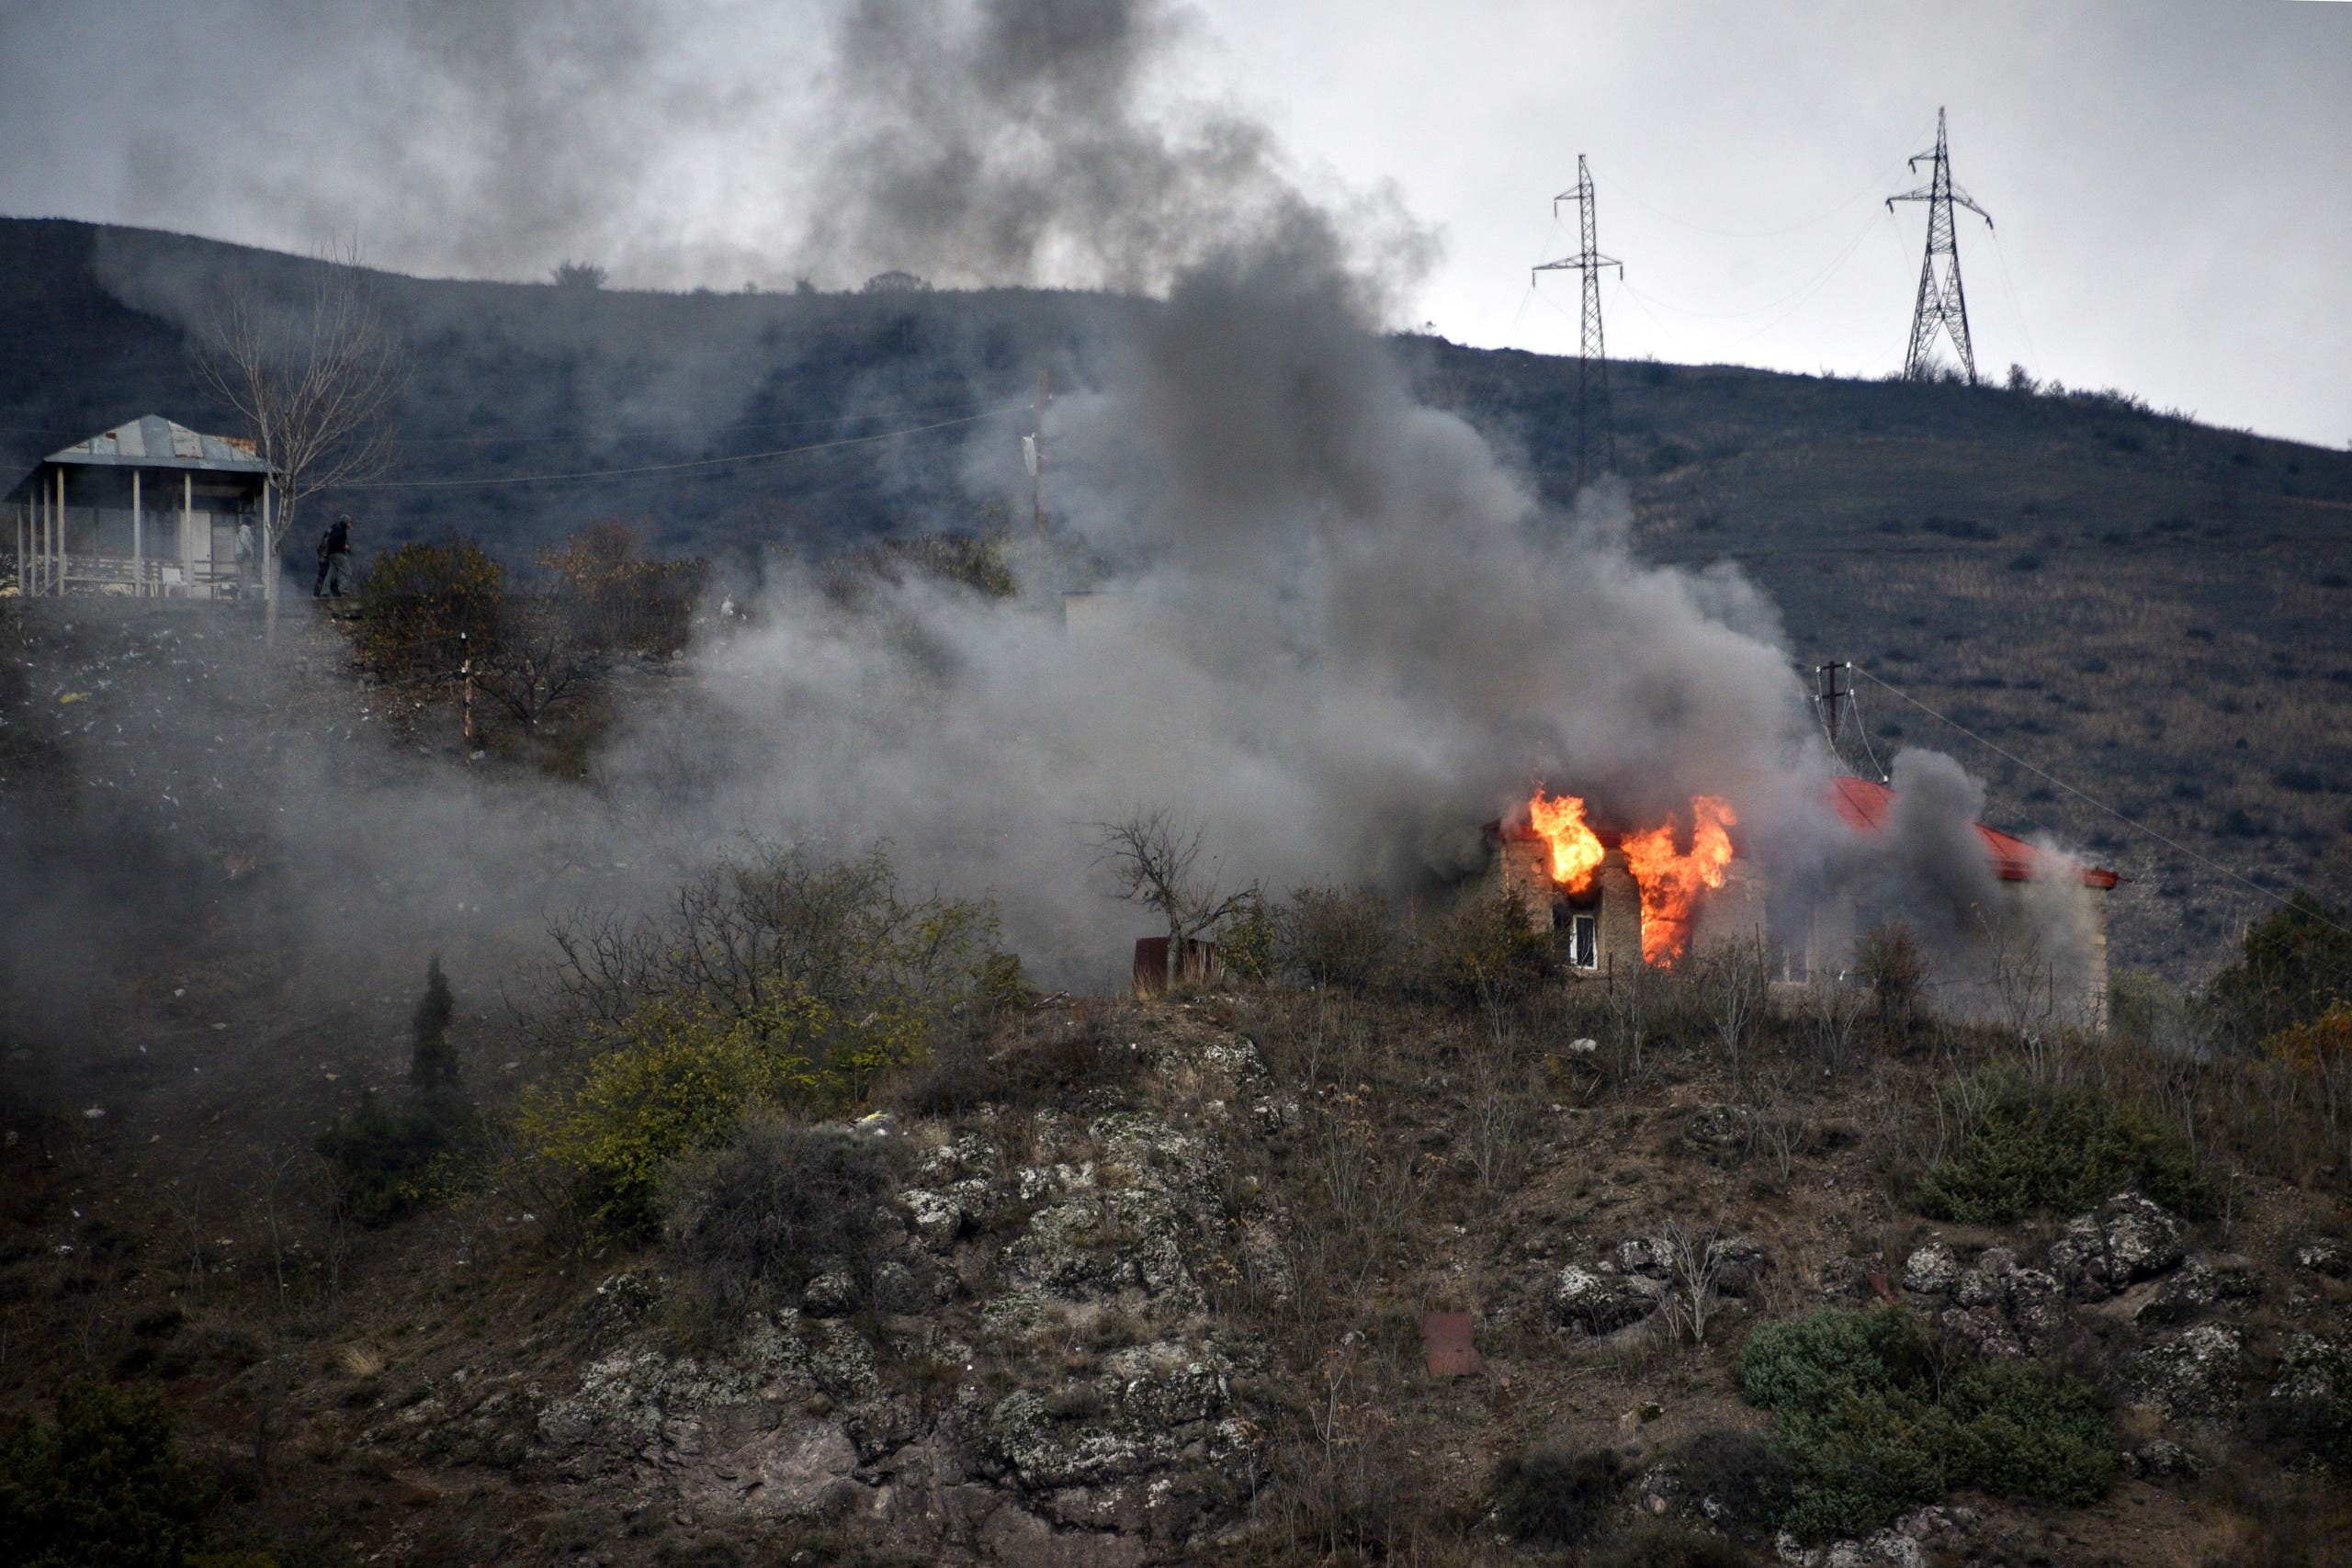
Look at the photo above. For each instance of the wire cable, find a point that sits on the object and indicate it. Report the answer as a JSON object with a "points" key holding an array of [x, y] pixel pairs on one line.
{"points": [[2174, 845], [679, 468]]}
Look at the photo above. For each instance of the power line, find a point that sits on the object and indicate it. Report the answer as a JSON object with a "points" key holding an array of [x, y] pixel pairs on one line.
{"points": [[678, 467], [1876, 179], [2174, 845]]}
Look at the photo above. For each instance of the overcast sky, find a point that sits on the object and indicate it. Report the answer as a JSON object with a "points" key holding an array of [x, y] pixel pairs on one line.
{"points": [[2172, 181]]}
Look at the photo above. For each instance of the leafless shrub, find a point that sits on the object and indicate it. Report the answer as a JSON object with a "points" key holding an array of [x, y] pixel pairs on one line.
{"points": [[1693, 1259], [745, 1228], [1500, 1114], [1734, 988], [1892, 967], [1832, 1011], [1631, 1003], [1343, 937]]}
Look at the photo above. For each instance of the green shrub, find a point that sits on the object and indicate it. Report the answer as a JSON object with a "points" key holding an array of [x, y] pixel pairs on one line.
{"points": [[2024, 1148], [1248, 944], [674, 1078], [776, 981], [1338, 936], [1867, 1429], [1551, 1497], [102, 1485], [426, 606], [1807, 1363], [747, 1225], [1670, 1546], [2290, 968], [385, 1164], [1485, 951]]}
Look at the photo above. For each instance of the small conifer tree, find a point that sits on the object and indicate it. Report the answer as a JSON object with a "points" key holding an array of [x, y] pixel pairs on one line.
{"points": [[432, 1060]]}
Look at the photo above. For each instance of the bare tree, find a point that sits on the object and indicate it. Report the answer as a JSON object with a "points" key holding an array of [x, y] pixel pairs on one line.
{"points": [[1155, 861], [313, 379]]}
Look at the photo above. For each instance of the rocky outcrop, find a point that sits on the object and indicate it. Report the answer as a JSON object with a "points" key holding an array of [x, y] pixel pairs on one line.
{"points": [[2202, 1285], [2127, 1239], [1999, 1309], [1030, 1449]]}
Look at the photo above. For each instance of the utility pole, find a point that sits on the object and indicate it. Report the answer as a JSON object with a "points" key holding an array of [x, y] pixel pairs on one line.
{"points": [[1033, 453], [1941, 304], [1596, 431], [1833, 702]]}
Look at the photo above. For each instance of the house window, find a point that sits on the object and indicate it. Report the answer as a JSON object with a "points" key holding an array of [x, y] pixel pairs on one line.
{"points": [[1584, 941]]}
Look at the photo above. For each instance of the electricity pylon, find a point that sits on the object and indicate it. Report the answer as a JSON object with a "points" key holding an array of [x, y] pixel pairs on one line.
{"points": [[1941, 304], [1592, 361]]}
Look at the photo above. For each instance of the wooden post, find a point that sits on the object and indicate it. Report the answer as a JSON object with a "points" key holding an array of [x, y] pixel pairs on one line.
{"points": [[188, 518], [65, 561], [138, 539]]}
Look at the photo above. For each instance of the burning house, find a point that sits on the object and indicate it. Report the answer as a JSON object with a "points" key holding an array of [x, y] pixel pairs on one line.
{"points": [[149, 508], [1616, 897]]}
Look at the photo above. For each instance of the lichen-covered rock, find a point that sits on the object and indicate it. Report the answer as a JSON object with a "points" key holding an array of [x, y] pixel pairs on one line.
{"points": [[2158, 1459], [2314, 1371], [1157, 1406], [1931, 1270], [618, 1306], [2128, 1238], [1999, 1309], [2197, 1373], [938, 1218], [2326, 1256], [2201, 1286], [1600, 1302], [804, 1468]]}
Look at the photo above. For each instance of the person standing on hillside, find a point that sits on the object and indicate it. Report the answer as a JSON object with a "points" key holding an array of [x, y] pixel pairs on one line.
{"points": [[335, 559], [245, 554]]}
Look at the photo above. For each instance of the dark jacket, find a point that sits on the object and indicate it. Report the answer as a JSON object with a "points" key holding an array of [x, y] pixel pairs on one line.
{"points": [[338, 540]]}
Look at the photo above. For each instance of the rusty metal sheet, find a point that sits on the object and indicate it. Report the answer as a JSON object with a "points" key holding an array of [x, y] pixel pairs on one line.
{"points": [[1445, 1341]]}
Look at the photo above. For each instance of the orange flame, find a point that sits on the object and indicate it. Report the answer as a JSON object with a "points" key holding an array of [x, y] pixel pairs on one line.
{"points": [[1575, 847], [1671, 883]]}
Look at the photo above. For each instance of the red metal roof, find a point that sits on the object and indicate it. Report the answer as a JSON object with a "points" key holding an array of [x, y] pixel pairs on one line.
{"points": [[1864, 807]]}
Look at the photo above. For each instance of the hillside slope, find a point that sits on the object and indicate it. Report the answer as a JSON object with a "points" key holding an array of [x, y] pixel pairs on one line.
{"points": [[2150, 609]]}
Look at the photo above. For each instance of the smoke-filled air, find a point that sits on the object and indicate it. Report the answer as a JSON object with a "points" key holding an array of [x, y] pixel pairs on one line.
{"points": [[975, 860]]}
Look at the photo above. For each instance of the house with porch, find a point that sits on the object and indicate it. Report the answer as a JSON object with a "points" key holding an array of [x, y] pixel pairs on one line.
{"points": [[150, 509]]}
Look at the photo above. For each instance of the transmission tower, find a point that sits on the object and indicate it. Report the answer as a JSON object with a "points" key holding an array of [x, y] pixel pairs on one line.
{"points": [[1596, 431], [1941, 304]]}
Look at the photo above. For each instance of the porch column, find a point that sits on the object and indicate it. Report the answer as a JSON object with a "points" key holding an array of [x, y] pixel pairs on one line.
{"points": [[65, 561], [138, 540], [187, 510]]}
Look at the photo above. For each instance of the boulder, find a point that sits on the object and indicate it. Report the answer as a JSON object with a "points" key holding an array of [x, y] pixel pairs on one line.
{"points": [[2127, 1238], [1598, 1301], [1931, 1270], [2195, 1373], [2325, 1255]]}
